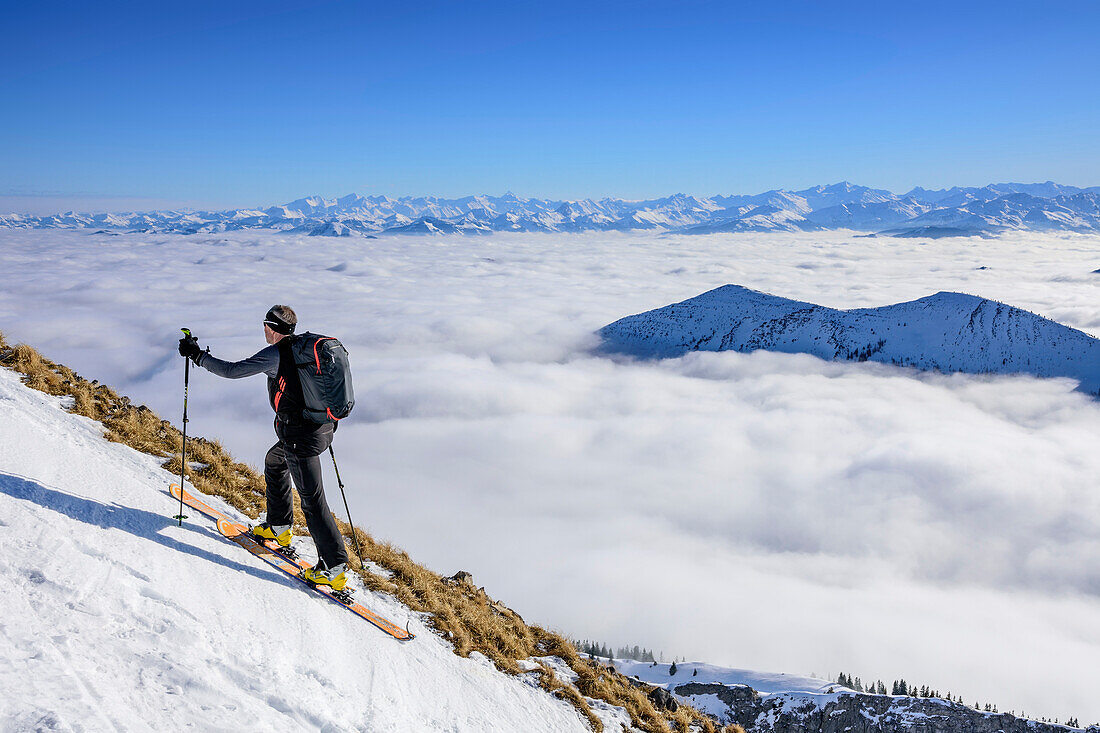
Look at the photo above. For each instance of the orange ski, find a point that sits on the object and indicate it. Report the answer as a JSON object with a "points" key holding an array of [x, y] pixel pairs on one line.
{"points": [[239, 534]]}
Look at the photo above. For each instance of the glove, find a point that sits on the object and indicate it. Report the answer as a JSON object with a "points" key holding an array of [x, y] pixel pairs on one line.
{"points": [[189, 348]]}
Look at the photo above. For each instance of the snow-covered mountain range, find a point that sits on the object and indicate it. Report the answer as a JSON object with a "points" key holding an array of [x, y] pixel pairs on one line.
{"points": [[985, 211], [949, 332]]}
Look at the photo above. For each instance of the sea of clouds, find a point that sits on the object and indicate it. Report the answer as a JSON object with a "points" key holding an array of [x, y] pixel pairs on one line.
{"points": [[759, 510]]}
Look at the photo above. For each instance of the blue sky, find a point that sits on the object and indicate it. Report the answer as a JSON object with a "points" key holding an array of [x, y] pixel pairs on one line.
{"points": [[227, 104]]}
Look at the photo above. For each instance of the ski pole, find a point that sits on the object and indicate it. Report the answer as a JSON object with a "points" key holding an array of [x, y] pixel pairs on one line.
{"points": [[183, 450], [345, 498]]}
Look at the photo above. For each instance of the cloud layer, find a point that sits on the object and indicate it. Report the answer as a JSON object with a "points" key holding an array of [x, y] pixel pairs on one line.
{"points": [[761, 510]]}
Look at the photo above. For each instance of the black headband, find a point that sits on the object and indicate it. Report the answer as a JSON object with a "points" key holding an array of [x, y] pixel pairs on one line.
{"points": [[278, 325]]}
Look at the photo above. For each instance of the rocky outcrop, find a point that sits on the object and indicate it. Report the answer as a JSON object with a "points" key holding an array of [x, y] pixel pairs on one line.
{"points": [[465, 581], [662, 699], [850, 712]]}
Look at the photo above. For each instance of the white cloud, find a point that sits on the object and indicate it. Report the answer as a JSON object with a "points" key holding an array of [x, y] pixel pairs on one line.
{"points": [[761, 510]]}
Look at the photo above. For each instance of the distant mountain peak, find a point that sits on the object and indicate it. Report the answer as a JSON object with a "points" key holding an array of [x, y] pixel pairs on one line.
{"points": [[983, 211], [946, 331]]}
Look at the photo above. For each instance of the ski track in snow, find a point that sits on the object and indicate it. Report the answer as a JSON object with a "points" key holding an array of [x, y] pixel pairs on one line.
{"points": [[116, 618], [756, 510]]}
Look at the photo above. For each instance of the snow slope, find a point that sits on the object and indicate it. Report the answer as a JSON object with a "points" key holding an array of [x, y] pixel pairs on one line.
{"points": [[950, 332], [115, 618], [764, 682]]}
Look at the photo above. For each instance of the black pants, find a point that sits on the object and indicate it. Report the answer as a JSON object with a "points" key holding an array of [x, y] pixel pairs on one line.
{"points": [[295, 457]]}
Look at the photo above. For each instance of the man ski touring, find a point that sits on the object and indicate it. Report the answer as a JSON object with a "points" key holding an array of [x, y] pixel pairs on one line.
{"points": [[295, 455]]}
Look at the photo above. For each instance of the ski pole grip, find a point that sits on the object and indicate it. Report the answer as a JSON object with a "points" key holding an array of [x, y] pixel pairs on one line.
{"points": [[188, 338]]}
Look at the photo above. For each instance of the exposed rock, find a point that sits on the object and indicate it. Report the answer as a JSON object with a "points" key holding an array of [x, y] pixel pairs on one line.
{"points": [[461, 577], [662, 699], [736, 696], [504, 610]]}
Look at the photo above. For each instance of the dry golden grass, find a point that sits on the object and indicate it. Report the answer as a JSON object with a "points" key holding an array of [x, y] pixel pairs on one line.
{"points": [[552, 684], [460, 612], [140, 428]]}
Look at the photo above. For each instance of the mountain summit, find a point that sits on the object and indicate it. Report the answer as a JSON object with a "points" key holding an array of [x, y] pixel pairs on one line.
{"points": [[948, 332]]}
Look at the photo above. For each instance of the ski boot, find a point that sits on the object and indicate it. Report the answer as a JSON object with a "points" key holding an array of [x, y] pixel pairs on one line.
{"points": [[335, 578], [280, 534]]}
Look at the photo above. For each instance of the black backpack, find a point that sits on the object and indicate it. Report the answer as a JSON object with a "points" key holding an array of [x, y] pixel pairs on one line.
{"points": [[325, 372]]}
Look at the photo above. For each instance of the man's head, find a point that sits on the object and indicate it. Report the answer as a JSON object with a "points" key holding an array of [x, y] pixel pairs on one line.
{"points": [[279, 323]]}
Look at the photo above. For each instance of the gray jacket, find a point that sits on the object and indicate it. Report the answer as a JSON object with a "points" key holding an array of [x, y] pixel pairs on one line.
{"points": [[284, 389], [265, 360]]}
